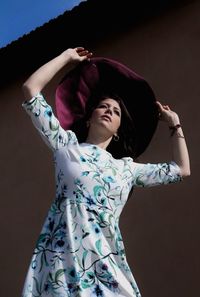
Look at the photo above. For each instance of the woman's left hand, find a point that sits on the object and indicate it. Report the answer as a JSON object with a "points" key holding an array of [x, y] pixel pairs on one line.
{"points": [[166, 114]]}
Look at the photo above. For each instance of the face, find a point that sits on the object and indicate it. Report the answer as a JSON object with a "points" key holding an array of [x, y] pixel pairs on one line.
{"points": [[107, 115]]}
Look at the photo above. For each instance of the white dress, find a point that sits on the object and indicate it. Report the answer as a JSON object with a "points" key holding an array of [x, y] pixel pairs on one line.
{"points": [[80, 251]]}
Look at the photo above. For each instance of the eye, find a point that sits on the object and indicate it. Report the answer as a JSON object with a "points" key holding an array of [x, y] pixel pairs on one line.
{"points": [[117, 112], [102, 105]]}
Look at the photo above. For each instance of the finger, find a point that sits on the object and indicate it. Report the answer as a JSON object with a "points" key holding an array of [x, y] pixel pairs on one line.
{"points": [[158, 102], [89, 55], [83, 53], [159, 105], [167, 107], [79, 48]]}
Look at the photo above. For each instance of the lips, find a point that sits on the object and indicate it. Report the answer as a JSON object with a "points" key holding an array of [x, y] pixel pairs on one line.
{"points": [[106, 117]]}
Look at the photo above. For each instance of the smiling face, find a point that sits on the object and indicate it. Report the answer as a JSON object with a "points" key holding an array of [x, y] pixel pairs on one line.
{"points": [[107, 116]]}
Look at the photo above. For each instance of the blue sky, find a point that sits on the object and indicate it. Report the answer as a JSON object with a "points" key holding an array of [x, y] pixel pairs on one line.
{"points": [[19, 17]]}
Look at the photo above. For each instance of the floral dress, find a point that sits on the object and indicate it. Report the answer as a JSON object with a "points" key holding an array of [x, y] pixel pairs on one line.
{"points": [[80, 251]]}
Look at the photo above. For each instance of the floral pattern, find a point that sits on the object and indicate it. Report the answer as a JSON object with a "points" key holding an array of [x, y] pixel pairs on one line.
{"points": [[80, 250]]}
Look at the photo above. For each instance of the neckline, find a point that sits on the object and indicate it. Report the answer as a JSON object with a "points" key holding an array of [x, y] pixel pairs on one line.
{"points": [[96, 146]]}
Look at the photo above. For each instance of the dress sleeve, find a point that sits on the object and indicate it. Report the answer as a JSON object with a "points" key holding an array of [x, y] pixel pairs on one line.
{"points": [[47, 124], [148, 175]]}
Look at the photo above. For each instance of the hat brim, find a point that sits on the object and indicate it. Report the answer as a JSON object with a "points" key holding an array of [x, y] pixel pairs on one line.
{"points": [[74, 91]]}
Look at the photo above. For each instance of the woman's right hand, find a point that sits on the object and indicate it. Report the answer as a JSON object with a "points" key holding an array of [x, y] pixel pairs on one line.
{"points": [[76, 55]]}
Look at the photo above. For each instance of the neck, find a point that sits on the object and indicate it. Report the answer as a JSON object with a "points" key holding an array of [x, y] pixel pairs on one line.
{"points": [[100, 141]]}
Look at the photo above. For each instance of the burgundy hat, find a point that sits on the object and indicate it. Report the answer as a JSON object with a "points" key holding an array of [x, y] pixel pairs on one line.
{"points": [[79, 85]]}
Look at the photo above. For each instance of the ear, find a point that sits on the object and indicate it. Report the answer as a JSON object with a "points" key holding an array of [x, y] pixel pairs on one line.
{"points": [[116, 133]]}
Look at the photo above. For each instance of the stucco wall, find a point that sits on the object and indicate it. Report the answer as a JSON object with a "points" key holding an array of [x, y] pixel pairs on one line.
{"points": [[160, 224]]}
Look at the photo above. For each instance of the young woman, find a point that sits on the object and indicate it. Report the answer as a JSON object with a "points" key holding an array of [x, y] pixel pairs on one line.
{"points": [[80, 251]]}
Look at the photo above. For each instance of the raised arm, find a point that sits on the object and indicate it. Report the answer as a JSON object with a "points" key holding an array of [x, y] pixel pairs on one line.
{"points": [[35, 104], [179, 148], [41, 77]]}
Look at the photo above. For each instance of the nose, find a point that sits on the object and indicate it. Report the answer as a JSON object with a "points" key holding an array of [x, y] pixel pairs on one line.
{"points": [[109, 110]]}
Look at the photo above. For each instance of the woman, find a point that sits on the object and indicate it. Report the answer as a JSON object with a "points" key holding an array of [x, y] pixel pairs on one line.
{"points": [[80, 251]]}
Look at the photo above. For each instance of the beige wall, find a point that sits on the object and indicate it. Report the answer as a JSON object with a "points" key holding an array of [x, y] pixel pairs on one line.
{"points": [[160, 225]]}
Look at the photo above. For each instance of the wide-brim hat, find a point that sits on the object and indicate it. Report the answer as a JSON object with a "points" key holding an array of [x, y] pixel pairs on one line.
{"points": [[78, 86]]}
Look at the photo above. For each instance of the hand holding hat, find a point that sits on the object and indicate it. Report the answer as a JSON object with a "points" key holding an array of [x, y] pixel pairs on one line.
{"points": [[76, 55], [166, 114]]}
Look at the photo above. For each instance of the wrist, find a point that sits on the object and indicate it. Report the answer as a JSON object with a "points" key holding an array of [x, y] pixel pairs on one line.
{"points": [[173, 122], [65, 57], [174, 129]]}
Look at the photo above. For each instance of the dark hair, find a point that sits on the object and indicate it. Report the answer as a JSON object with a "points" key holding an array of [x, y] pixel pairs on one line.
{"points": [[126, 144]]}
